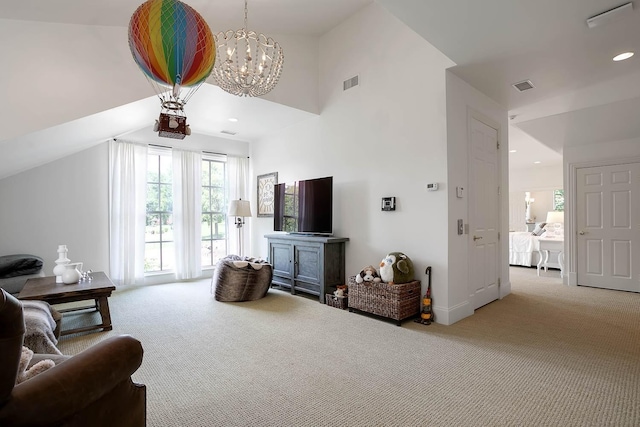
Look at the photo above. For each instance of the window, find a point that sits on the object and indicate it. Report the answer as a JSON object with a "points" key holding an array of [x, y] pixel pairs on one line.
{"points": [[290, 220], [558, 200], [159, 251], [159, 248], [214, 236]]}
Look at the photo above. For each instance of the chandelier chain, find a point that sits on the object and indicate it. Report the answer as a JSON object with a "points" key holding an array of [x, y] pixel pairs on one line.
{"points": [[246, 14]]}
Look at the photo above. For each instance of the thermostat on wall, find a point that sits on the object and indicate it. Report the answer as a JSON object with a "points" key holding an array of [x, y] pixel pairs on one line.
{"points": [[432, 187]]}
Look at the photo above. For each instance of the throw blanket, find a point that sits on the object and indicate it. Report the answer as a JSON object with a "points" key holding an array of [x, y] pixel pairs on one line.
{"points": [[19, 265], [241, 262], [40, 321]]}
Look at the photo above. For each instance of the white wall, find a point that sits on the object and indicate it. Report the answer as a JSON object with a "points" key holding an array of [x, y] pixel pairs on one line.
{"points": [[385, 137], [462, 101], [66, 202], [542, 205], [61, 203], [298, 85], [613, 150], [536, 178]]}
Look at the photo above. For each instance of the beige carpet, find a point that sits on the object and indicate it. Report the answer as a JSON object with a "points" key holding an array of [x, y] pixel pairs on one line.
{"points": [[546, 355]]}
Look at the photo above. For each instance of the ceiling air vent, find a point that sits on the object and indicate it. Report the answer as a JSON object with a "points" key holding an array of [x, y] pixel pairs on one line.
{"points": [[228, 132], [610, 15], [522, 86], [349, 83]]}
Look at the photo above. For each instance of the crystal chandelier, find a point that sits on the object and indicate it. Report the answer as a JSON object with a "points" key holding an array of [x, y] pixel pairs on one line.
{"points": [[248, 64]]}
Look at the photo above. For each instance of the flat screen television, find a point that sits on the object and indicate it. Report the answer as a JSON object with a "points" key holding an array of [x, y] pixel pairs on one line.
{"points": [[304, 207]]}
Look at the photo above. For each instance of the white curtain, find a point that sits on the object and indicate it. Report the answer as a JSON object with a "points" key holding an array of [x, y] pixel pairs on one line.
{"points": [[187, 213], [127, 211], [238, 188]]}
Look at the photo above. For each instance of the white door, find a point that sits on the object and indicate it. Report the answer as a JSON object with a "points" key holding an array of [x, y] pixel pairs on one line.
{"points": [[484, 210], [608, 226]]}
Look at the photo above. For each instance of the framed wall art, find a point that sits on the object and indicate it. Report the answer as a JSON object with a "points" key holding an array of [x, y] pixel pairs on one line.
{"points": [[266, 184]]}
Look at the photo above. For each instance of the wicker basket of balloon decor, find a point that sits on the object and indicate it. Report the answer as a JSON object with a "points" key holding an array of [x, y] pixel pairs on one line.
{"points": [[394, 301]]}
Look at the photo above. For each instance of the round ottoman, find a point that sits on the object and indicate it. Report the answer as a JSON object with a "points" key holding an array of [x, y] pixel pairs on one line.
{"points": [[241, 279]]}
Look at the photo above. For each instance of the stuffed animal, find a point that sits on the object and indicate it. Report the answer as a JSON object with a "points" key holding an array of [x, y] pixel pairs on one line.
{"points": [[339, 293], [396, 267], [368, 274], [24, 373]]}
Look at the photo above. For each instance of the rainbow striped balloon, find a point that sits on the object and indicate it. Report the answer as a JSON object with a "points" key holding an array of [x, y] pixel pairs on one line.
{"points": [[171, 43]]}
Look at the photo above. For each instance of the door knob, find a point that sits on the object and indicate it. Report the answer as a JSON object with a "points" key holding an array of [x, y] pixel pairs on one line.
{"points": [[476, 238], [582, 233]]}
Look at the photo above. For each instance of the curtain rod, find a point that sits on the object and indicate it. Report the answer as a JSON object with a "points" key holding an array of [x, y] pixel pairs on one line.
{"points": [[219, 154], [169, 147]]}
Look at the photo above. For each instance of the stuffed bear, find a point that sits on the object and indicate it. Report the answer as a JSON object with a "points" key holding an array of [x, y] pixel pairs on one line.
{"points": [[339, 293], [368, 274], [397, 268], [24, 373]]}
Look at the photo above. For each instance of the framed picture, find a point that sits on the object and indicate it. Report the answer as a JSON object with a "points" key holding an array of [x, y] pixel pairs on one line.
{"points": [[266, 184]]}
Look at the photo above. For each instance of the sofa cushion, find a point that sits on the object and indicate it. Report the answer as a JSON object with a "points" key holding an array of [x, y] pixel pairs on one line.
{"points": [[19, 265]]}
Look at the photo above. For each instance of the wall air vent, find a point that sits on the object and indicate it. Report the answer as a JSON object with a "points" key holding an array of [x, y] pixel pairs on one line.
{"points": [[228, 132], [349, 83], [522, 86]]}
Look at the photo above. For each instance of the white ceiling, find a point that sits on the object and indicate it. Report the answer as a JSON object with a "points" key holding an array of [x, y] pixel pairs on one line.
{"points": [[580, 97], [309, 17]]}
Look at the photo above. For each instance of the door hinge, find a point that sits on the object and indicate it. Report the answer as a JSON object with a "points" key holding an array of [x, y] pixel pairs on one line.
{"points": [[498, 282], [498, 235], [498, 144], [499, 191]]}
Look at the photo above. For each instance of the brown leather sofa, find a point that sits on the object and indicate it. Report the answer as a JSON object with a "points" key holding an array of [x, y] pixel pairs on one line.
{"points": [[93, 388]]}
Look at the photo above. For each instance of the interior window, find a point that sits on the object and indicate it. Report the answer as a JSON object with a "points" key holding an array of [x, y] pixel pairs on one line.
{"points": [[558, 200]]}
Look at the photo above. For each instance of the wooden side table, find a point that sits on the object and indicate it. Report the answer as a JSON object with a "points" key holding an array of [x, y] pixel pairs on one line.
{"points": [[99, 289], [548, 245]]}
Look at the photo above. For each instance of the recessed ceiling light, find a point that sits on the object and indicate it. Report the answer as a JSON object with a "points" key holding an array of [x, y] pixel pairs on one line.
{"points": [[537, 162], [623, 56], [233, 119], [513, 151]]}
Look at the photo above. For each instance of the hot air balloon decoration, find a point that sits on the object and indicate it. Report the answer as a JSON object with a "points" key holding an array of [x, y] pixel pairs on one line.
{"points": [[175, 49]]}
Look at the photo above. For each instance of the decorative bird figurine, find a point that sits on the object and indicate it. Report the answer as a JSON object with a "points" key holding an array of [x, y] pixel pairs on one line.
{"points": [[396, 268]]}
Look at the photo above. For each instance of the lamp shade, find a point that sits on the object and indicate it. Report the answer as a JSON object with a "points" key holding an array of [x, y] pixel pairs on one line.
{"points": [[555, 217], [239, 208]]}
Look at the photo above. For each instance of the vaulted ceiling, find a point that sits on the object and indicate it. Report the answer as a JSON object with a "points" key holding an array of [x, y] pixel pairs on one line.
{"points": [[580, 97]]}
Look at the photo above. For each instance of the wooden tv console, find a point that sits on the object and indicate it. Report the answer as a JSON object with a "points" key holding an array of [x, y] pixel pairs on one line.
{"points": [[311, 264]]}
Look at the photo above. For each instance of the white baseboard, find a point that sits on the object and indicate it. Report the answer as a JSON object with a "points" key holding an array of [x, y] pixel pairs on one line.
{"points": [[449, 316]]}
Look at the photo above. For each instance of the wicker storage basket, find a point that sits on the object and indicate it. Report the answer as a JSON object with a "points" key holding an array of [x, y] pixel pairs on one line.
{"points": [[396, 302], [335, 301]]}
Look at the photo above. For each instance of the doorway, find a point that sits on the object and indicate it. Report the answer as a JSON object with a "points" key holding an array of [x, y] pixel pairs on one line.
{"points": [[607, 226]]}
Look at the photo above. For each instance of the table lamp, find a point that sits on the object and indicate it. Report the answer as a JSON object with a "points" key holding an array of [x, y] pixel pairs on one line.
{"points": [[556, 218]]}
